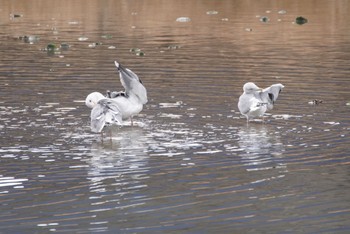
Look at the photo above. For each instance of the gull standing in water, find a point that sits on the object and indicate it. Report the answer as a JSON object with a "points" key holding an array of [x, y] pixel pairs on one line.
{"points": [[255, 101], [117, 106], [104, 111]]}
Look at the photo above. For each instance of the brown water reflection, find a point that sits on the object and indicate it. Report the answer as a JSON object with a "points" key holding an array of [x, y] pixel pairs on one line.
{"points": [[193, 165]]}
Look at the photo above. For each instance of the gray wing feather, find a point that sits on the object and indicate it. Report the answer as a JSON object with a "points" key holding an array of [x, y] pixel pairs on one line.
{"points": [[105, 111], [127, 77], [270, 95], [132, 83], [244, 104]]}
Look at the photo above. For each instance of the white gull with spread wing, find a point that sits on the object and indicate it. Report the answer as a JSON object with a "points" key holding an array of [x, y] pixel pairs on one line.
{"points": [[121, 105], [255, 101]]}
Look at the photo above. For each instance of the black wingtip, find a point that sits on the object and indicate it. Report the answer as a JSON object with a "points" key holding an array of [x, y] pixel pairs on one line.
{"points": [[118, 65]]}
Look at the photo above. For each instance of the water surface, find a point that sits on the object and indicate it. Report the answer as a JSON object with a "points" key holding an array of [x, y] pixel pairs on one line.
{"points": [[192, 164]]}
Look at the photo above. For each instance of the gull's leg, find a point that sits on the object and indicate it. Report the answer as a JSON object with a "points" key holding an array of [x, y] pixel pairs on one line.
{"points": [[108, 93], [132, 122], [102, 137]]}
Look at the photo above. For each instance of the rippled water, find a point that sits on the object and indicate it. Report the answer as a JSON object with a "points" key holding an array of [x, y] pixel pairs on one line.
{"points": [[191, 164]]}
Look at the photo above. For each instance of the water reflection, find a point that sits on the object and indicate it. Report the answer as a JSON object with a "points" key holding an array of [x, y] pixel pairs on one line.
{"points": [[122, 156], [118, 169], [196, 161], [260, 144]]}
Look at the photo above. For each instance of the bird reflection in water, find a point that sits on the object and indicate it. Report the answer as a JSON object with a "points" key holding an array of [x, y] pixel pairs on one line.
{"points": [[260, 145], [120, 164]]}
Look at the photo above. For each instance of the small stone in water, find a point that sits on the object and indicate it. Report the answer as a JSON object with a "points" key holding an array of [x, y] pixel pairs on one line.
{"points": [[16, 15], [137, 51], [107, 36], [212, 12], [93, 45], [264, 19], [140, 53], [173, 47], [315, 102], [134, 50], [64, 46], [282, 12], [183, 19], [83, 38], [300, 20], [111, 47], [51, 47], [249, 29], [30, 39]]}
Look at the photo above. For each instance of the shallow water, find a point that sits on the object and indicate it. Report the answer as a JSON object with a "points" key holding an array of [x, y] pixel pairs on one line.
{"points": [[191, 164]]}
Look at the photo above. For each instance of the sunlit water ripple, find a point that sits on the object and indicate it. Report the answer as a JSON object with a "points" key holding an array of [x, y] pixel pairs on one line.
{"points": [[191, 163]]}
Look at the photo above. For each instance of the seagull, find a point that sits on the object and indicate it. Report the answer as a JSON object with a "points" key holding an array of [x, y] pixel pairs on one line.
{"points": [[255, 101], [117, 106], [105, 111]]}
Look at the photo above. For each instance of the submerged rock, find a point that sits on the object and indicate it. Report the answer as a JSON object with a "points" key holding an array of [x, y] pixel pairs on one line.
{"points": [[300, 20], [137, 51], [31, 39], [134, 50], [51, 47], [140, 53], [64, 46], [14, 15], [264, 19]]}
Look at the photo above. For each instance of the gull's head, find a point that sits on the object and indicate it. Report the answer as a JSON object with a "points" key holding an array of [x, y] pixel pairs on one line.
{"points": [[93, 98], [250, 87]]}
